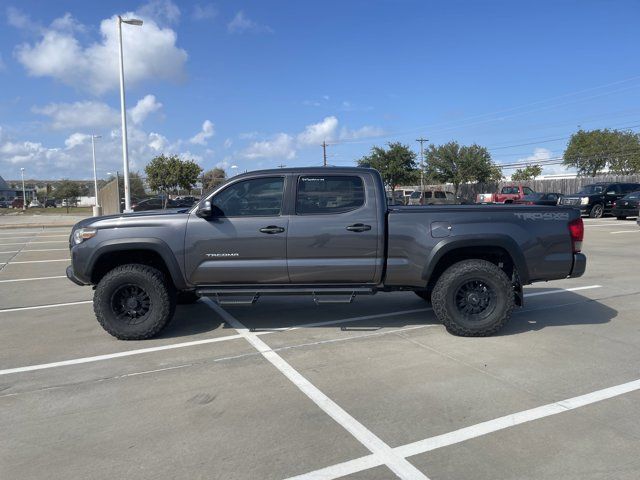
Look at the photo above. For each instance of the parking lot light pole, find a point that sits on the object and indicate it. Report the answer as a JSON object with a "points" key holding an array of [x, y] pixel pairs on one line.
{"points": [[123, 113], [24, 195], [97, 209], [421, 141]]}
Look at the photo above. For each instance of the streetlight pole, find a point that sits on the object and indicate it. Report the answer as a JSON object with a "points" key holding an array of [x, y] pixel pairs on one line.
{"points": [[24, 195], [421, 141], [97, 209], [123, 114]]}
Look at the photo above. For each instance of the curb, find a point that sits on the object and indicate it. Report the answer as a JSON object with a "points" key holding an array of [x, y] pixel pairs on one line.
{"points": [[36, 225]]}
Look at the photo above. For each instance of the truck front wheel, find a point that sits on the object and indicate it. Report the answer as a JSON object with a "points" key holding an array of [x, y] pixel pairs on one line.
{"points": [[133, 302], [473, 298]]}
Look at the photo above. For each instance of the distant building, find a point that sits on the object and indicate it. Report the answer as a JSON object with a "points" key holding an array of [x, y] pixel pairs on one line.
{"points": [[9, 193]]}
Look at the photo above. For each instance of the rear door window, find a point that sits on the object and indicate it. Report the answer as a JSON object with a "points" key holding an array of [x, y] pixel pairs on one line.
{"points": [[440, 195], [319, 194]]}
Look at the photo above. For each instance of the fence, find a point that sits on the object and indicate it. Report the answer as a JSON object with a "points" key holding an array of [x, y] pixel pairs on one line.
{"points": [[566, 186], [109, 198]]}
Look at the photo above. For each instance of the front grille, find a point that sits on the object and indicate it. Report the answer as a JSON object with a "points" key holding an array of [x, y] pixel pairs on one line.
{"points": [[570, 201]]}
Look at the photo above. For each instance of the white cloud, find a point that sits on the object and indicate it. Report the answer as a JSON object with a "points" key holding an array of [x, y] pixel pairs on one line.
{"points": [[17, 19], [281, 146], [367, 131], [158, 142], [90, 114], [539, 154], [76, 139], [208, 130], [85, 114], [145, 107], [227, 143], [150, 52], [319, 132], [243, 24], [204, 12], [160, 11]]}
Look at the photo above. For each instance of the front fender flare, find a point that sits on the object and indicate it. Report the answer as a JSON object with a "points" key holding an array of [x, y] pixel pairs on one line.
{"points": [[154, 244]]}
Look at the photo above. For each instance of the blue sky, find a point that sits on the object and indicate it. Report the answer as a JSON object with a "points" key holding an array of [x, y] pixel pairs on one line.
{"points": [[254, 84]]}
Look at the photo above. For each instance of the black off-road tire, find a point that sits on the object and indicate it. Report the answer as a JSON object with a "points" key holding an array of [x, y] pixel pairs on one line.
{"points": [[187, 297], [597, 211], [424, 294], [494, 280], [160, 294], [621, 217]]}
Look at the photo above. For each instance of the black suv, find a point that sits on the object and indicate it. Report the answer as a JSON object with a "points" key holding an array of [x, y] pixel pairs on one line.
{"points": [[598, 198]]}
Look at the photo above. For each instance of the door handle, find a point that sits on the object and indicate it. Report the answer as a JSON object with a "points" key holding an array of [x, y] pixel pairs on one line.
{"points": [[271, 229], [358, 227]]}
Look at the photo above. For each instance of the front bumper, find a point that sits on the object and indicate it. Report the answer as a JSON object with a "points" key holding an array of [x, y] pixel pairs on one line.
{"points": [[579, 265], [72, 276], [624, 212]]}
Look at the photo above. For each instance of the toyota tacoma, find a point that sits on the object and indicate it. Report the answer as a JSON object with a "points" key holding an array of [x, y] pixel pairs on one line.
{"points": [[328, 233]]}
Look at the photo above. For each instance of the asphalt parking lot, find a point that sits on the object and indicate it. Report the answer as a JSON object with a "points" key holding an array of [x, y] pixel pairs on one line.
{"points": [[286, 388]]}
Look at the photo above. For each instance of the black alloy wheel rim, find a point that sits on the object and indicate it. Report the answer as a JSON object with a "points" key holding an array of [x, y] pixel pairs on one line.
{"points": [[131, 304], [597, 211], [475, 300]]}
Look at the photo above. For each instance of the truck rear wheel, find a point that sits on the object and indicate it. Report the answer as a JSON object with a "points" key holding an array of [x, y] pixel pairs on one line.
{"points": [[133, 302], [473, 298]]}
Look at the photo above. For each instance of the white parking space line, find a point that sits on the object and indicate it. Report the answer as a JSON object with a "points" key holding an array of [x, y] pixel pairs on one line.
{"points": [[35, 236], [31, 243], [612, 224], [574, 289], [165, 347], [37, 261], [37, 250], [32, 279], [625, 231], [40, 307], [383, 452], [474, 431], [109, 356]]}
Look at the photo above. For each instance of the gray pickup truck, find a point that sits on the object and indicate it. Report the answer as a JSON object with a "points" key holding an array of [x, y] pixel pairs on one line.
{"points": [[328, 233]]}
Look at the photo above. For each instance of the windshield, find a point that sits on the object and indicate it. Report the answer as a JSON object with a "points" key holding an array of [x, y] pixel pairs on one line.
{"points": [[592, 189]]}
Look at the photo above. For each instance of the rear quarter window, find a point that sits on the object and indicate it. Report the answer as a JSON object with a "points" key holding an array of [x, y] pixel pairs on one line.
{"points": [[318, 194]]}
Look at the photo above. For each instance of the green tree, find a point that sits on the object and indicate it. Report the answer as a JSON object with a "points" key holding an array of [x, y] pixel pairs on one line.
{"points": [[168, 173], [451, 163], [529, 172], [592, 151], [396, 164], [69, 191], [212, 178], [136, 185]]}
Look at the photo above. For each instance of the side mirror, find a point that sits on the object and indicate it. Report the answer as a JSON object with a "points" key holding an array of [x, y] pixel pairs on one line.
{"points": [[204, 210]]}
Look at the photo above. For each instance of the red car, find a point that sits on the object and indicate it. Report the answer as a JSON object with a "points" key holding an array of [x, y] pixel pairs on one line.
{"points": [[508, 194]]}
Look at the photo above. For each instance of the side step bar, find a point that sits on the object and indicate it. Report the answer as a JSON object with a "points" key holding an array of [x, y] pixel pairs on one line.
{"points": [[249, 296]]}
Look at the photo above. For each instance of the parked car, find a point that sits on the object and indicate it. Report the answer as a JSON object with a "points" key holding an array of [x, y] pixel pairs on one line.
{"points": [[627, 206], [596, 200], [51, 203], [155, 203], [433, 197], [35, 203], [186, 201], [539, 199], [17, 203], [5, 204], [326, 233], [507, 194]]}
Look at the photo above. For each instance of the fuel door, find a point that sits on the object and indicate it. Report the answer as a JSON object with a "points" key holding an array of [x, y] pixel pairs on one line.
{"points": [[440, 229]]}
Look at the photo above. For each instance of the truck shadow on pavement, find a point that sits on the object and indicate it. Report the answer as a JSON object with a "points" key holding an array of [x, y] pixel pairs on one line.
{"points": [[371, 313], [565, 309]]}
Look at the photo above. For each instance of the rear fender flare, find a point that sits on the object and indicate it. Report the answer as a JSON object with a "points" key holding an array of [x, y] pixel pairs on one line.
{"points": [[450, 244]]}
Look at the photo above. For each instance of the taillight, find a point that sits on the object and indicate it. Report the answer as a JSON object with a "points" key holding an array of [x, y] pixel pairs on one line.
{"points": [[576, 228]]}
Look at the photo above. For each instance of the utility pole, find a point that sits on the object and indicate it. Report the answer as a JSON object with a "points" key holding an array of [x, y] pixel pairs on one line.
{"points": [[24, 194], [97, 209], [282, 165], [324, 153], [421, 141]]}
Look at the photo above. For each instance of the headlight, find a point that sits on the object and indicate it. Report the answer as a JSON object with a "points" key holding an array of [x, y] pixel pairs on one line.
{"points": [[584, 200], [82, 234]]}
